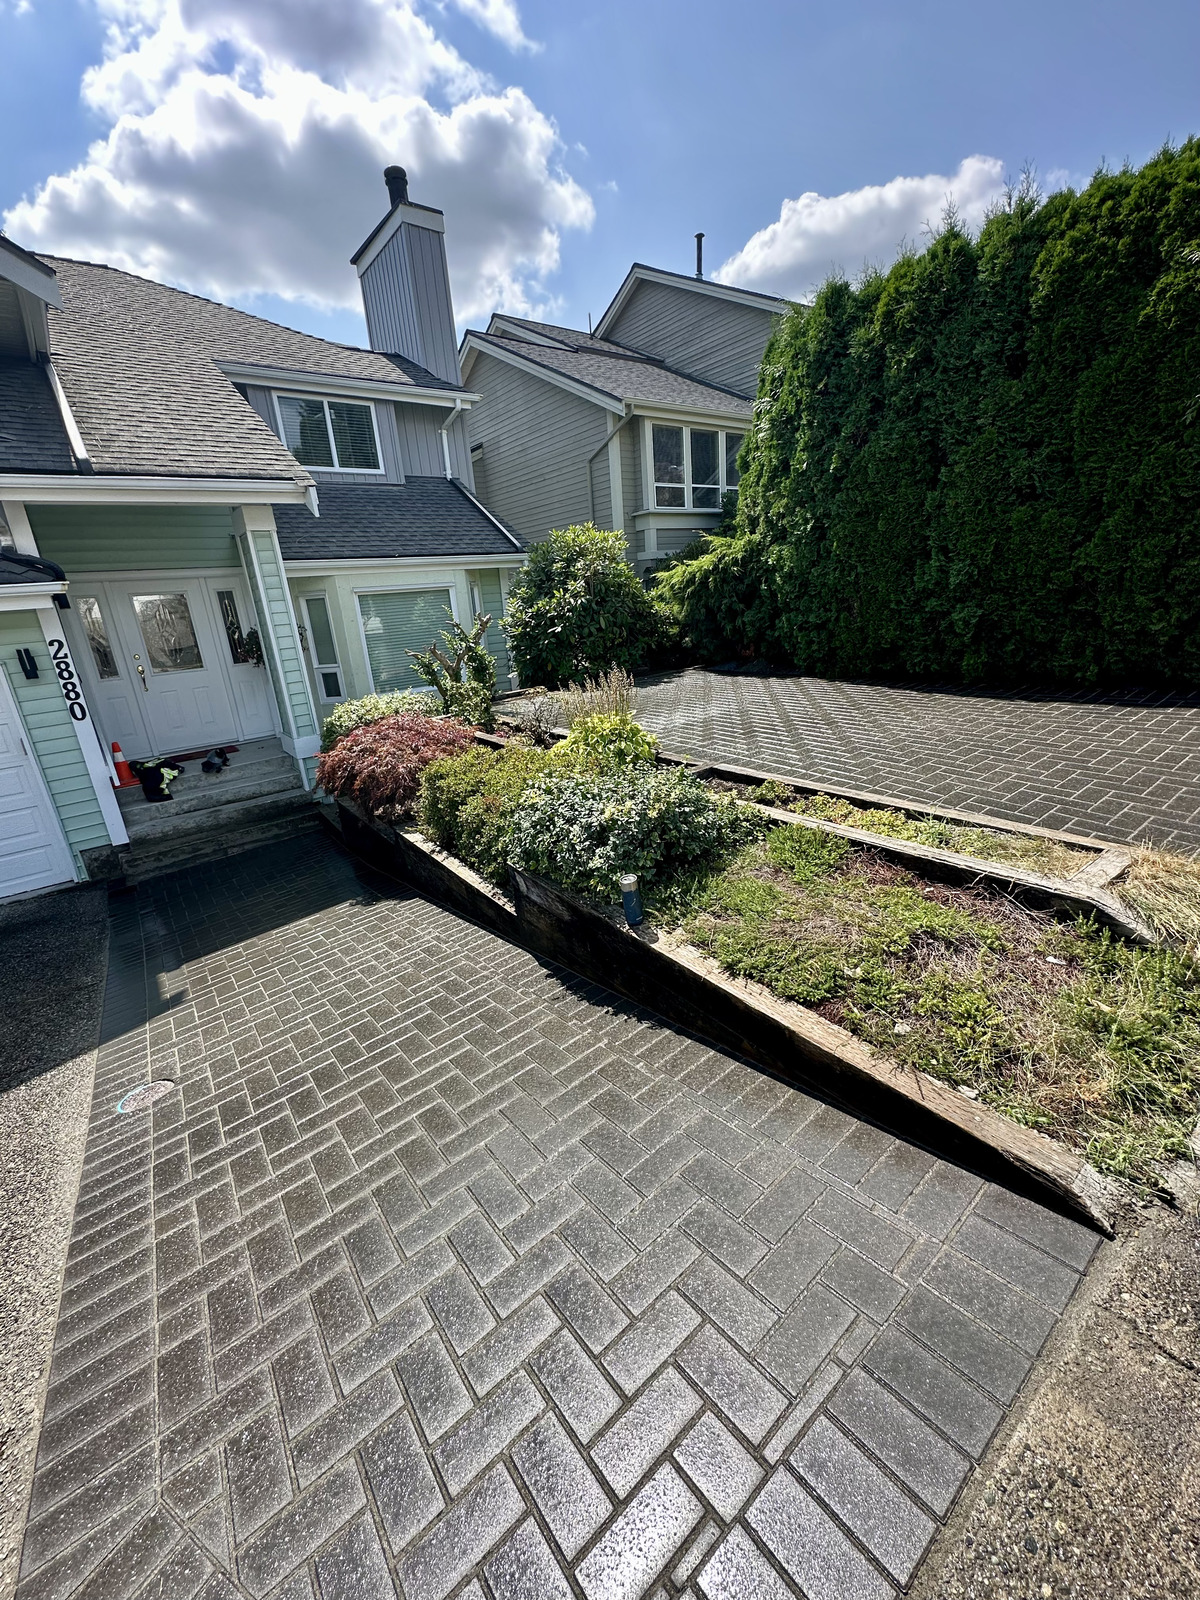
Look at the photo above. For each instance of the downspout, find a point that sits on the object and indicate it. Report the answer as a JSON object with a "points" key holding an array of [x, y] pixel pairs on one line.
{"points": [[449, 423], [603, 445]]}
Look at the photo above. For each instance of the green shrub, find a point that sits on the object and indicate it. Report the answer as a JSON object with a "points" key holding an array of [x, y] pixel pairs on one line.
{"points": [[373, 708], [981, 465], [379, 766], [584, 830], [467, 803], [607, 744], [577, 609]]}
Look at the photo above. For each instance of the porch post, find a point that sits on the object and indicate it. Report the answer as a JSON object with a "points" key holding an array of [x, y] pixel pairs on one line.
{"points": [[258, 546]]}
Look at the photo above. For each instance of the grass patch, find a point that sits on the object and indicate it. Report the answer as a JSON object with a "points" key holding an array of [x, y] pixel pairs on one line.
{"points": [[1164, 889], [1045, 856], [1062, 1027]]}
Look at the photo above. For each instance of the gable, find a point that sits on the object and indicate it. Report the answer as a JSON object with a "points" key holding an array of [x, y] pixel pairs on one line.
{"points": [[715, 339]]}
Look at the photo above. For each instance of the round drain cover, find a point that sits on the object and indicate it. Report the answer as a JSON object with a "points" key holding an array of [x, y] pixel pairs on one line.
{"points": [[144, 1096]]}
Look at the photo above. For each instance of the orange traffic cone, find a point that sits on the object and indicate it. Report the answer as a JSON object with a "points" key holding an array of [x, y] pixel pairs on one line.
{"points": [[125, 777]]}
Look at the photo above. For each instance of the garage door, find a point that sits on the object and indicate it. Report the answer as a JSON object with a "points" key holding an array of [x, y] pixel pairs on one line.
{"points": [[33, 852], [393, 623]]}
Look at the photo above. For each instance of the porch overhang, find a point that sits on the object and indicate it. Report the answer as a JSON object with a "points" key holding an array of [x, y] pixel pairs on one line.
{"points": [[99, 489]]}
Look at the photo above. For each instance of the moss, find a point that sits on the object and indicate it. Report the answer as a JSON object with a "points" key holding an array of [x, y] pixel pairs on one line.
{"points": [[1062, 1027]]}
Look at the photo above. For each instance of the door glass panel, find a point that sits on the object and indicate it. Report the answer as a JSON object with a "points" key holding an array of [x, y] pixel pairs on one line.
{"points": [[88, 609], [227, 602], [170, 639]]}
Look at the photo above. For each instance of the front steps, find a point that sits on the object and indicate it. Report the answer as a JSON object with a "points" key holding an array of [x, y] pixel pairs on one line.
{"points": [[257, 799]]}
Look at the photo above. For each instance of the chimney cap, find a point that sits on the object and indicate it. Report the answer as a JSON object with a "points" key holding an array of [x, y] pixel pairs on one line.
{"points": [[397, 185]]}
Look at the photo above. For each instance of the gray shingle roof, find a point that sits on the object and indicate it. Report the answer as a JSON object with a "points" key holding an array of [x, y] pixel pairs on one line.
{"points": [[18, 572], [138, 362], [32, 438], [575, 337], [421, 517], [627, 376]]}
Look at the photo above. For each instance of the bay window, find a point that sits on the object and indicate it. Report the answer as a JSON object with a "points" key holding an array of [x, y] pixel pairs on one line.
{"points": [[693, 467]]}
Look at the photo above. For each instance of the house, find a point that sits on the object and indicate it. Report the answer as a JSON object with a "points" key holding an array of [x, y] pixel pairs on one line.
{"points": [[212, 529], [636, 425]]}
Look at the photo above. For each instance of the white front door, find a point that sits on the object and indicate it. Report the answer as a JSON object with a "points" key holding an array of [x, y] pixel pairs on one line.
{"points": [[158, 664], [33, 852]]}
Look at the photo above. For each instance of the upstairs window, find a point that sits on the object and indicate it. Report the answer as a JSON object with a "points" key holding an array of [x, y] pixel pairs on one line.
{"points": [[338, 435], [693, 467]]}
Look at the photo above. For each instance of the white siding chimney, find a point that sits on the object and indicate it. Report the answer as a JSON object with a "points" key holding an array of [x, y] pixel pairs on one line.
{"points": [[405, 285]]}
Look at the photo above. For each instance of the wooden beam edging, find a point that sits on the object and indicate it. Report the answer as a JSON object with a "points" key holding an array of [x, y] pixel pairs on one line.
{"points": [[789, 1041]]}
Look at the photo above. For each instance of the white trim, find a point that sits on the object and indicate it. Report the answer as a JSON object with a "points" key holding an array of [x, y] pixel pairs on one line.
{"points": [[722, 487], [523, 331], [17, 518], [73, 863], [74, 438], [290, 394], [415, 216], [344, 388], [692, 417], [142, 574], [302, 749], [267, 632], [88, 735], [315, 666], [25, 271], [676, 280], [616, 486], [332, 568], [395, 588], [112, 489], [30, 596]]}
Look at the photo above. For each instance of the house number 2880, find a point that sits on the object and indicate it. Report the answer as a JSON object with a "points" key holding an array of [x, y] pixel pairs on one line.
{"points": [[72, 694]]}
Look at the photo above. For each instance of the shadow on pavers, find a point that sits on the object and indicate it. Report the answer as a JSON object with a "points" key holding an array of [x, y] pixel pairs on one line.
{"points": [[53, 954]]}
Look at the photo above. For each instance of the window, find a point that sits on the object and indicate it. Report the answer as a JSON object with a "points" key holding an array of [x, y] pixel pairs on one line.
{"points": [[393, 624], [96, 634], [336, 434], [693, 466], [322, 649]]}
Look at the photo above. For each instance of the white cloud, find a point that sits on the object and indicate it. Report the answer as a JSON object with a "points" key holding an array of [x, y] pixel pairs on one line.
{"points": [[499, 17], [819, 234], [247, 141]]}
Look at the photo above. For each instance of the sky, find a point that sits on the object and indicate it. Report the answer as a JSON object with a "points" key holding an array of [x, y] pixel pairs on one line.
{"points": [[235, 147]]}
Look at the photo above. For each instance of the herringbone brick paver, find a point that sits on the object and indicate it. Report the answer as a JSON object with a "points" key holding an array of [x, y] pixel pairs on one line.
{"points": [[440, 1271], [1122, 767]]}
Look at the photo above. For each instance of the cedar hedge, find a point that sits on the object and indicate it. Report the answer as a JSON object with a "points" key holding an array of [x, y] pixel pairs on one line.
{"points": [[984, 464]]}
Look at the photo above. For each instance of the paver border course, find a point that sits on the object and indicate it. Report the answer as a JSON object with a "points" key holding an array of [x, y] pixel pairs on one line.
{"points": [[787, 1039]]}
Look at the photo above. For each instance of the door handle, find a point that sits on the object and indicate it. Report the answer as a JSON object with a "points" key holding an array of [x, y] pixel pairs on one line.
{"points": [[142, 676]]}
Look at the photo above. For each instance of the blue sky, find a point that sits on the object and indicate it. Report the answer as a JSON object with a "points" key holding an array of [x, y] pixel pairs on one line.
{"points": [[235, 146]]}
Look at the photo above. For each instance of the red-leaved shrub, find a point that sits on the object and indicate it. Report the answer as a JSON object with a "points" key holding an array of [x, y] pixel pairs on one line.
{"points": [[380, 765]]}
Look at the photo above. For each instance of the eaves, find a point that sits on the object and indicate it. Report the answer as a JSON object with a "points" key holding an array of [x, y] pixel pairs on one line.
{"points": [[357, 388]]}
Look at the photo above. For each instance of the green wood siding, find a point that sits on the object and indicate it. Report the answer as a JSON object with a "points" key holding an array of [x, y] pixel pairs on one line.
{"points": [[51, 732], [283, 647], [488, 580], [134, 538]]}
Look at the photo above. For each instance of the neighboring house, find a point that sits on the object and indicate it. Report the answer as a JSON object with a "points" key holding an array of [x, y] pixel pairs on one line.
{"points": [[164, 459], [635, 426]]}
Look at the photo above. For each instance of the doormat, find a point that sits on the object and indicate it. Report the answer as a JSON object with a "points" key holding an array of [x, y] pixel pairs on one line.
{"points": [[199, 755]]}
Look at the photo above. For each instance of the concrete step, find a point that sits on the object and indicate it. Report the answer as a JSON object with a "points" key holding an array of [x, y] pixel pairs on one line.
{"points": [[162, 822], [209, 793], [143, 864]]}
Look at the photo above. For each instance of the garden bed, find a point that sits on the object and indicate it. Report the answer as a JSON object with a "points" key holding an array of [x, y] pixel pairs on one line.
{"points": [[975, 985]]}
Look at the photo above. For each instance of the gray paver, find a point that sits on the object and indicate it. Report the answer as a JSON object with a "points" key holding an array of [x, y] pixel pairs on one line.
{"points": [[402, 1300], [1125, 766]]}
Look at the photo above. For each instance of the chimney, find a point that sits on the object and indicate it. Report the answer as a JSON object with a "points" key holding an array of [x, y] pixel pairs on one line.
{"points": [[699, 255], [397, 185], [405, 285]]}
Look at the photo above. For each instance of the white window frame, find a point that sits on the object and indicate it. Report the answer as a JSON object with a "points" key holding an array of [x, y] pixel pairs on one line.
{"points": [[397, 588], [650, 423], [294, 394], [318, 667]]}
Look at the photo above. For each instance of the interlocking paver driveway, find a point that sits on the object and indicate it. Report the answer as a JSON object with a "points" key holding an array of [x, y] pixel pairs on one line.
{"points": [[443, 1271], [1117, 769]]}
